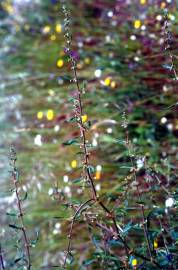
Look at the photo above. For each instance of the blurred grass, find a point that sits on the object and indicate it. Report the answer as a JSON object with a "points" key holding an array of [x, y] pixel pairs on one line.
{"points": [[29, 71]]}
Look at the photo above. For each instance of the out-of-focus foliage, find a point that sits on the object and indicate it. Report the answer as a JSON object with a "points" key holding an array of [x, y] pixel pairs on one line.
{"points": [[123, 67]]}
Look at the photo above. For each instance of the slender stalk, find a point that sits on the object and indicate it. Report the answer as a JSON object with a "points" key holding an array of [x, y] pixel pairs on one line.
{"points": [[144, 221], [79, 112], [13, 159], [145, 227], [1, 258], [71, 229], [168, 38], [161, 185], [86, 161]]}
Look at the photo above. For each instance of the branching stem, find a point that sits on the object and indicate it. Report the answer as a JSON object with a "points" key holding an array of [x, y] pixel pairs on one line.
{"points": [[86, 161], [71, 228], [15, 176]]}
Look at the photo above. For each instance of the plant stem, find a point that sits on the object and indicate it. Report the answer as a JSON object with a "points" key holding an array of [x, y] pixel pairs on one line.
{"points": [[71, 228], [19, 206], [1, 258], [86, 162], [168, 38], [144, 221]]}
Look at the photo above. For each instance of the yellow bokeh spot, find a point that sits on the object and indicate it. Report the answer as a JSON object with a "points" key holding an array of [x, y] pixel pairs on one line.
{"points": [[142, 2], [53, 37], [74, 164], [137, 24], [60, 63], [170, 16], [8, 7], [87, 60], [84, 118], [107, 81], [155, 244], [79, 65], [40, 115], [134, 262], [97, 175], [113, 84], [26, 26], [50, 115], [163, 5], [51, 92], [46, 29], [58, 28], [17, 28], [176, 127]]}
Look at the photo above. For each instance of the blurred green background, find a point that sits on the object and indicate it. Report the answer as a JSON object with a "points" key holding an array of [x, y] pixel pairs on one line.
{"points": [[123, 64]]}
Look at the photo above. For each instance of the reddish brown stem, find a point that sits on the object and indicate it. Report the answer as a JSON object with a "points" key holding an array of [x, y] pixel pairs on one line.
{"points": [[79, 112], [86, 160]]}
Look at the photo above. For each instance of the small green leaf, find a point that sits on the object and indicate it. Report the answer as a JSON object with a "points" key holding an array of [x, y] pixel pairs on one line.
{"points": [[122, 142], [15, 227], [140, 202], [127, 228], [70, 258], [25, 197], [72, 119], [17, 260], [77, 180], [91, 169], [126, 167], [80, 153], [12, 214], [115, 243], [33, 242], [70, 142], [59, 217]]}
